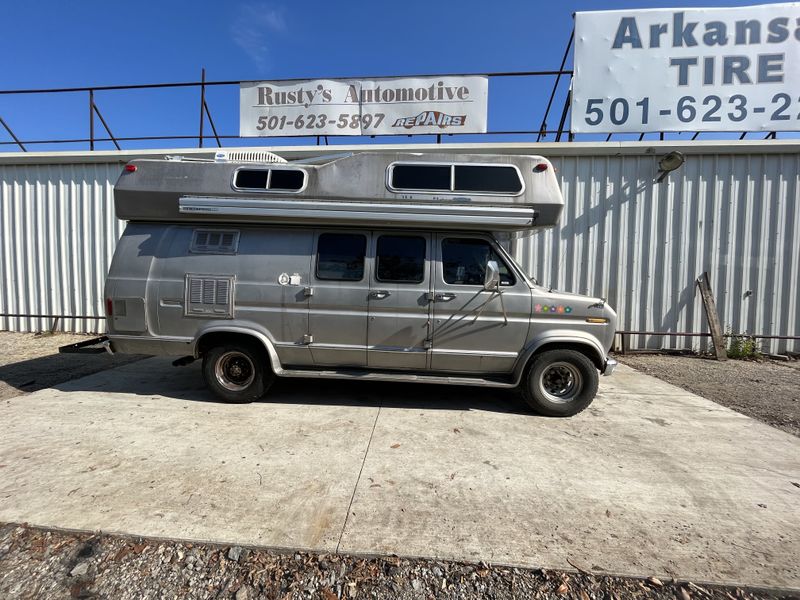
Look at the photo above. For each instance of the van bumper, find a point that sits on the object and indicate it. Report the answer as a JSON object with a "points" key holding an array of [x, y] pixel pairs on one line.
{"points": [[609, 366]]}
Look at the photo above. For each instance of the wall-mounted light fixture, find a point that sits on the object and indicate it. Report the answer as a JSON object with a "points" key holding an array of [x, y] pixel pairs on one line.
{"points": [[669, 163]]}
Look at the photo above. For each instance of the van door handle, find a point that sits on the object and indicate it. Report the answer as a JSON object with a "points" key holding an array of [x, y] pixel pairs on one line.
{"points": [[444, 297], [380, 294]]}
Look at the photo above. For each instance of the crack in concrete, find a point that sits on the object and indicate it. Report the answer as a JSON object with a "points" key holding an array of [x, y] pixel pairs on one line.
{"points": [[358, 479]]}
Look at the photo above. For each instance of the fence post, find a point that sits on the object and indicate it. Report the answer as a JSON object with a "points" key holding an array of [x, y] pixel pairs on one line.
{"points": [[91, 119], [202, 103]]}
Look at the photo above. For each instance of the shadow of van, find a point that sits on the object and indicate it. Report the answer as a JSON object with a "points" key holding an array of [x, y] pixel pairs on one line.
{"points": [[156, 377]]}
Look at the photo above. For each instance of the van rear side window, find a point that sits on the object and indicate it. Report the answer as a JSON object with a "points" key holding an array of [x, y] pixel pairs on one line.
{"points": [[340, 256]]}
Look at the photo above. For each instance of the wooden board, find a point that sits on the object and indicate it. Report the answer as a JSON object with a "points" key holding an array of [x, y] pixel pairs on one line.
{"points": [[712, 317]]}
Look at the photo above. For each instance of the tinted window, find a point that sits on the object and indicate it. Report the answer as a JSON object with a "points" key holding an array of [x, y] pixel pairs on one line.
{"points": [[421, 177], [250, 178], [283, 179], [340, 256], [401, 259], [504, 180], [464, 262]]}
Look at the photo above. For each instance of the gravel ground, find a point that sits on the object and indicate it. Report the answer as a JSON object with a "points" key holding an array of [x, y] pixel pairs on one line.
{"points": [[38, 563], [30, 362], [766, 390]]}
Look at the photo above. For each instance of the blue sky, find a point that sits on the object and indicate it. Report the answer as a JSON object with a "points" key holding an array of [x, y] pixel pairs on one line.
{"points": [[53, 43]]}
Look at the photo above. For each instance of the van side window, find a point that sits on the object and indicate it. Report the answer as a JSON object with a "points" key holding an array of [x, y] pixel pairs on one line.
{"points": [[456, 178], [499, 179], [464, 262], [340, 256], [421, 177], [401, 259], [289, 180]]}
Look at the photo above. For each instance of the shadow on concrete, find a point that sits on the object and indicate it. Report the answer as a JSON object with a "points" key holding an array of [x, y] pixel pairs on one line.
{"points": [[158, 378], [47, 371]]}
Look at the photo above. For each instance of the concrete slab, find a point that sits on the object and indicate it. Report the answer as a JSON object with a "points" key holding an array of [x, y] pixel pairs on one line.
{"points": [[650, 480], [144, 449], [653, 482]]}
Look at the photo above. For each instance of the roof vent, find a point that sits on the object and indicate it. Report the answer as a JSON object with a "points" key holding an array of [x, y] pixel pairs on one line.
{"points": [[248, 156]]}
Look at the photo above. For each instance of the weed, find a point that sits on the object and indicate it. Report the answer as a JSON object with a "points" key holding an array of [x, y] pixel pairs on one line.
{"points": [[742, 347]]}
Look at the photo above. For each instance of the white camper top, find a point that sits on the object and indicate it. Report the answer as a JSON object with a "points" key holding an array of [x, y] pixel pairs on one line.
{"points": [[442, 191]]}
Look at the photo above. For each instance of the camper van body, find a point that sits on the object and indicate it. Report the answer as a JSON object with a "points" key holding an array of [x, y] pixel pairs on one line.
{"points": [[372, 266]]}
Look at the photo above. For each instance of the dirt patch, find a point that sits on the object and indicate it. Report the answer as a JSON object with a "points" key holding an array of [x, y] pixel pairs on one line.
{"points": [[766, 390], [38, 563], [30, 362]]}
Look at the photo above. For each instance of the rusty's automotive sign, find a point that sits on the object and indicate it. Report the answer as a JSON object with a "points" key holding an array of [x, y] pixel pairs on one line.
{"points": [[383, 106]]}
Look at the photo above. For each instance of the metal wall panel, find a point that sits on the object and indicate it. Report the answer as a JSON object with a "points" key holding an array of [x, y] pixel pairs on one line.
{"points": [[731, 210], [57, 236], [642, 244]]}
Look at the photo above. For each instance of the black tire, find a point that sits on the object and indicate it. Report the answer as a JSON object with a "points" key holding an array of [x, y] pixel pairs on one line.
{"points": [[560, 383], [237, 373]]}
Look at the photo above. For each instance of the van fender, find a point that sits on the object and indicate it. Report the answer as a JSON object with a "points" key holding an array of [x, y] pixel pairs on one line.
{"points": [[252, 330], [587, 340]]}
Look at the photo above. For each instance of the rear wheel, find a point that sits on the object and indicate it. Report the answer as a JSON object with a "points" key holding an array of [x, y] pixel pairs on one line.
{"points": [[560, 383], [237, 373]]}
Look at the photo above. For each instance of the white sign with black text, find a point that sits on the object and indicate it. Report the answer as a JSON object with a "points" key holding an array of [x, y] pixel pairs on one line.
{"points": [[725, 69], [386, 106]]}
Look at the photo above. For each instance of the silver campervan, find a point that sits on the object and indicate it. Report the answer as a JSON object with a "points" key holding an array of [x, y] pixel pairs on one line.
{"points": [[370, 266]]}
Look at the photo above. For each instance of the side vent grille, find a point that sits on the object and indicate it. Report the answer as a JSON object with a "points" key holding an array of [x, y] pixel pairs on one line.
{"points": [[209, 296], [215, 241]]}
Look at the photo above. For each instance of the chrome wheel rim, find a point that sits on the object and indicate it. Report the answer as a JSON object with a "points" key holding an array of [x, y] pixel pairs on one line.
{"points": [[234, 371], [560, 382]]}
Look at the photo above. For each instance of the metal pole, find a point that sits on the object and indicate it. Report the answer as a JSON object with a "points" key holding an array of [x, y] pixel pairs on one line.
{"points": [[103, 121], [202, 104], [564, 115], [211, 122], [543, 126], [91, 119], [11, 133]]}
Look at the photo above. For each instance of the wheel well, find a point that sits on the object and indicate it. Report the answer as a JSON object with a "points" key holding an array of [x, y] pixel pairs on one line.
{"points": [[584, 349], [218, 338]]}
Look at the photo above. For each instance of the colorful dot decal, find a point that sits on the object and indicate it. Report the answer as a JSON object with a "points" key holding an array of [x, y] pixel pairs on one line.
{"points": [[552, 308]]}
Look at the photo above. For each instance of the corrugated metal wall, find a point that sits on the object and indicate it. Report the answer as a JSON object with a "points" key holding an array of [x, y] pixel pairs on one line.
{"points": [[642, 244], [638, 243], [57, 234]]}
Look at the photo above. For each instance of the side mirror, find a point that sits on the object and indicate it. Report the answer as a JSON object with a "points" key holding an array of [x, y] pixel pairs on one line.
{"points": [[491, 280]]}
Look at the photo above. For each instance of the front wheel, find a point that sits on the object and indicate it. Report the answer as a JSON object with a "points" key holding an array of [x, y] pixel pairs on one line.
{"points": [[560, 383], [237, 373]]}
